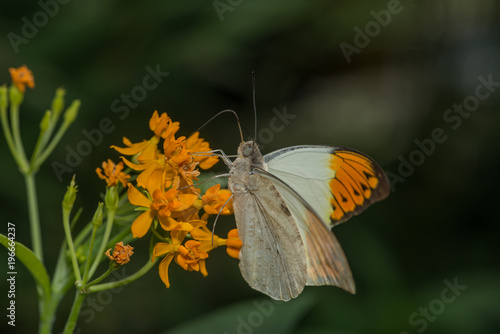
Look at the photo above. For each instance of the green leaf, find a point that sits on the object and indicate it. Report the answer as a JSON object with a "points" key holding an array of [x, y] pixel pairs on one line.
{"points": [[261, 315], [31, 262]]}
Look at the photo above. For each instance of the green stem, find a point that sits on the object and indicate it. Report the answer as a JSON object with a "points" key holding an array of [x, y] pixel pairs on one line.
{"points": [[159, 236], [89, 255], [98, 279], [104, 241], [125, 281], [75, 312], [71, 246], [10, 141], [45, 154], [36, 236], [16, 132]]}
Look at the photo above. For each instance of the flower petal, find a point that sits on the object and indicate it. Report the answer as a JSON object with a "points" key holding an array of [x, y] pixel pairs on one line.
{"points": [[163, 268], [141, 224], [162, 248], [135, 197]]}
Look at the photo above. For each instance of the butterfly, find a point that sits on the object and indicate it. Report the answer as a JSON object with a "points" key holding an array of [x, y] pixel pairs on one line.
{"points": [[285, 204]]}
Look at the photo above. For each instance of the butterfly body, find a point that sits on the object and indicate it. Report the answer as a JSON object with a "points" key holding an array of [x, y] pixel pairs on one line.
{"points": [[285, 203]]}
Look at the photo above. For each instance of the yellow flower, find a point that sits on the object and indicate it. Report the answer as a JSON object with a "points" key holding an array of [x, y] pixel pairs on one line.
{"points": [[161, 206], [112, 173], [121, 255], [215, 198], [21, 77]]}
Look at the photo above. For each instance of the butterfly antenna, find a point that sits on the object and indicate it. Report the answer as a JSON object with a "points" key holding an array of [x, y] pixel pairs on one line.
{"points": [[217, 218], [254, 106], [217, 115]]}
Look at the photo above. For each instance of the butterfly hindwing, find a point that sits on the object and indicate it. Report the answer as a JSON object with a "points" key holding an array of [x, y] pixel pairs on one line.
{"points": [[326, 262], [337, 182], [273, 257]]}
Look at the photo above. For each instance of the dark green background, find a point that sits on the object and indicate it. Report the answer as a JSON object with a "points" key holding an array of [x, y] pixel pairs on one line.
{"points": [[440, 224]]}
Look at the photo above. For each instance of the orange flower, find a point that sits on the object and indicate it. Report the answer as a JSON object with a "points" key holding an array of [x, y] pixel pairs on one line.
{"points": [[161, 206], [215, 198], [204, 236], [197, 145], [121, 254], [148, 149], [112, 173], [233, 244], [21, 77], [188, 256]]}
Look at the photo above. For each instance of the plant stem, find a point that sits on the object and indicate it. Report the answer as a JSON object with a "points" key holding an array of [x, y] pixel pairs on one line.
{"points": [[98, 279], [125, 281], [89, 255], [71, 247], [104, 241], [75, 312], [36, 236]]}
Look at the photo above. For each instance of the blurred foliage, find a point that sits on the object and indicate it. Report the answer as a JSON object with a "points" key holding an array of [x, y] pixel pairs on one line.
{"points": [[440, 223]]}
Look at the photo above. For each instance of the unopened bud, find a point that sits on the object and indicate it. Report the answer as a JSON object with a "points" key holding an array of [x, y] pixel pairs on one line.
{"points": [[58, 102], [72, 111], [44, 123], [70, 196]]}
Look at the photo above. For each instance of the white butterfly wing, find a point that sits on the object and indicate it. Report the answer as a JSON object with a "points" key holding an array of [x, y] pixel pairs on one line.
{"points": [[272, 258], [336, 182], [326, 262]]}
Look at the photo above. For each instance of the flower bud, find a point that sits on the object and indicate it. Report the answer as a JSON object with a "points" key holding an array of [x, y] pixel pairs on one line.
{"points": [[58, 102], [15, 95], [111, 198], [97, 219], [44, 123], [72, 111], [70, 196]]}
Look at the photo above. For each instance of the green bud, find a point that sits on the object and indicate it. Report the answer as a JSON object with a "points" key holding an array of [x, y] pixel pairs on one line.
{"points": [[72, 111], [97, 219], [3, 97], [15, 95], [58, 102], [111, 198], [70, 196], [44, 123]]}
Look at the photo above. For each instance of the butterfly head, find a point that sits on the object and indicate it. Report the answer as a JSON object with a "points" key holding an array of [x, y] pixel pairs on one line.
{"points": [[250, 150]]}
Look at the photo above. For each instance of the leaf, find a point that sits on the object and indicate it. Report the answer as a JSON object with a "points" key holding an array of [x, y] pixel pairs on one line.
{"points": [[261, 315], [31, 262]]}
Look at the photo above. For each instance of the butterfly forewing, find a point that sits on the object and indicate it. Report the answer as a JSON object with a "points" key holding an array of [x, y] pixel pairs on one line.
{"points": [[337, 182]]}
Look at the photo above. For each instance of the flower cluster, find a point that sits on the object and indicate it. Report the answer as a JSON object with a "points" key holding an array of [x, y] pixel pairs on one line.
{"points": [[22, 77], [121, 254], [173, 208]]}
